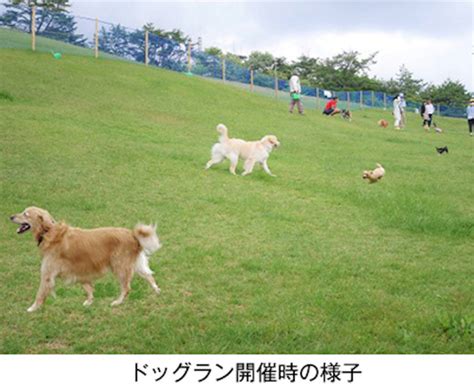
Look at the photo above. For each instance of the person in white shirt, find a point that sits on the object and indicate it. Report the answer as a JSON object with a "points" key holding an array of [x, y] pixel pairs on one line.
{"points": [[428, 114], [295, 92], [470, 115], [397, 110]]}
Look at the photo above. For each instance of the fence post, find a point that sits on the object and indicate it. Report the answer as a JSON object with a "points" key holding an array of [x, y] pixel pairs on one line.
{"points": [[384, 100], [361, 93], [96, 38], [146, 47], [189, 57], [317, 98], [439, 110], [33, 27], [251, 78], [348, 104], [373, 99], [223, 68]]}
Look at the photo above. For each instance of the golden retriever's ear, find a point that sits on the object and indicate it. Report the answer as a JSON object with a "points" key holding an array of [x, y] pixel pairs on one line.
{"points": [[46, 223]]}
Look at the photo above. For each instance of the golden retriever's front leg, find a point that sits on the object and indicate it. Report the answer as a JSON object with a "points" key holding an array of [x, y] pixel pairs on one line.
{"points": [[46, 286], [125, 278], [90, 293], [266, 169]]}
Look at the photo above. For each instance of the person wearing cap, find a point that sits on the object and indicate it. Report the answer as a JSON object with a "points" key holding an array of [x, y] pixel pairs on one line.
{"points": [[470, 115], [295, 92], [398, 110]]}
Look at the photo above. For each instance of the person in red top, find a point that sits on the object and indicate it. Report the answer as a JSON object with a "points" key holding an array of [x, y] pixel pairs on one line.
{"points": [[331, 107]]}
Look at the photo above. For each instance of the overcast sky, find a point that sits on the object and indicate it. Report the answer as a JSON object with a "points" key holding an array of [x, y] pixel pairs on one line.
{"points": [[433, 39]]}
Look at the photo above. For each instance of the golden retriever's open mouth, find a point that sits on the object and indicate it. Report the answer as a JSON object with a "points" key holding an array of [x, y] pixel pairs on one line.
{"points": [[23, 228]]}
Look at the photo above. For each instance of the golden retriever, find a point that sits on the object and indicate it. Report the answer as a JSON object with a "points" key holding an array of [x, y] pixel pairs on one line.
{"points": [[250, 151], [375, 175], [83, 255]]}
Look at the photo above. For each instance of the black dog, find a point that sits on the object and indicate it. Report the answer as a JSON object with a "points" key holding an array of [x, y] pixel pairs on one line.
{"points": [[346, 114], [442, 150]]}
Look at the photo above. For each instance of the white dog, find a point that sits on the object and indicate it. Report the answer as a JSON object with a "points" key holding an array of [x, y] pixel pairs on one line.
{"points": [[250, 151]]}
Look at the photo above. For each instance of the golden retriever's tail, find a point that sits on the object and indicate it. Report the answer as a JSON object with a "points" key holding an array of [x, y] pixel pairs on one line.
{"points": [[379, 165], [222, 130], [147, 237]]}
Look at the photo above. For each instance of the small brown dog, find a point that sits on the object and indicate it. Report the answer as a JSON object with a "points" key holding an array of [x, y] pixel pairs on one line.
{"points": [[83, 255], [382, 123], [375, 175]]}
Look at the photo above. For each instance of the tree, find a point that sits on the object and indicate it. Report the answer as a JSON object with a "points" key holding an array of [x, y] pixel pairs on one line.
{"points": [[406, 83], [350, 63], [283, 68], [345, 71], [305, 66], [115, 40], [52, 19], [235, 59], [213, 51], [449, 93], [259, 61]]}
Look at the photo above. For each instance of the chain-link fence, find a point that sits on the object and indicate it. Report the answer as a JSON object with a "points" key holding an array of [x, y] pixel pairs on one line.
{"points": [[65, 33]]}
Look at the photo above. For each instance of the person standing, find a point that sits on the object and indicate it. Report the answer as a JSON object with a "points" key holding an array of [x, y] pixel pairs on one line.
{"points": [[295, 92], [470, 116], [428, 114], [403, 106], [397, 111], [422, 111]]}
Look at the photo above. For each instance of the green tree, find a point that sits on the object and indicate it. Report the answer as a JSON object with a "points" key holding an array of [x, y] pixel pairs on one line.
{"points": [[449, 93], [235, 59], [260, 61], [345, 71], [307, 69], [283, 68], [406, 83], [213, 51], [175, 35], [52, 19]]}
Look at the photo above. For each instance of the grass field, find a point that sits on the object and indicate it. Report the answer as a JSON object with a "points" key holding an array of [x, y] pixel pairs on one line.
{"points": [[312, 261], [12, 39]]}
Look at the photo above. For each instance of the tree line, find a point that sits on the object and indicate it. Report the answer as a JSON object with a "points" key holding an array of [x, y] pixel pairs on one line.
{"points": [[349, 71], [346, 71]]}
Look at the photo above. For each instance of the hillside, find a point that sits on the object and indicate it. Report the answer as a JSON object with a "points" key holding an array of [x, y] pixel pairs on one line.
{"points": [[312, 261]]}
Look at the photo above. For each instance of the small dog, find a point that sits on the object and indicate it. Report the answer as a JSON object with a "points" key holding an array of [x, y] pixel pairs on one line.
{"points": [[442, 150], [83, 255], [250, 151], [382, 123], [375, 175], [346, 114]]}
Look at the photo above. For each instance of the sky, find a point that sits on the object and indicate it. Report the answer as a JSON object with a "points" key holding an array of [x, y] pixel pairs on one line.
{"points": [[433, 39]]}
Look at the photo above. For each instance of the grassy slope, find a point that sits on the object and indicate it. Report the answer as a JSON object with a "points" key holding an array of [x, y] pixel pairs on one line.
{"points": [[313, 261], [12, 39]]}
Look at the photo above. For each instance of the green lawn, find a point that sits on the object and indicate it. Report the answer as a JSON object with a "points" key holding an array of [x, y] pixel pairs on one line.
{"points": [[13, 39], [312, 261]]}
